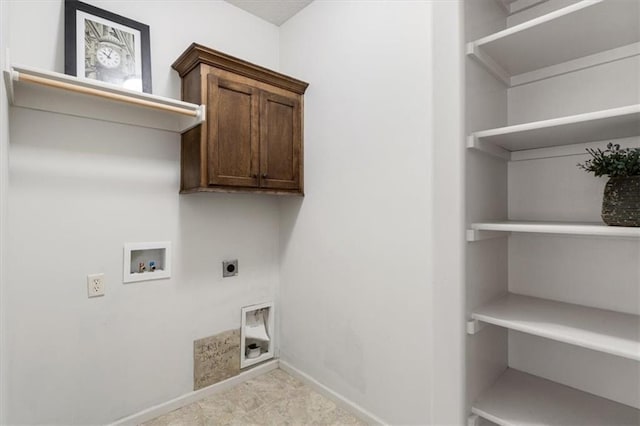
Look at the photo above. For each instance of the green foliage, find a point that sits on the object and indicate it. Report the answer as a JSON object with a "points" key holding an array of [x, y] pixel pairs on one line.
{"points": [[613, 161]]}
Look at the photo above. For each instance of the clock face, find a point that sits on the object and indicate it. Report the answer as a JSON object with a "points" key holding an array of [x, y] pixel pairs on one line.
{"points": [[108, 57]]}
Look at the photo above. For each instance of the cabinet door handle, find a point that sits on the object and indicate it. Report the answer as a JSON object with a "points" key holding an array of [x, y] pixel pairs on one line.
{"points": [[264, 176]]}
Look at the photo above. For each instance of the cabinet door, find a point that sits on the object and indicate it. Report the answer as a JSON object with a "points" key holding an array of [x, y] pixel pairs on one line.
{"points": [[233, 135], [280, 141]]}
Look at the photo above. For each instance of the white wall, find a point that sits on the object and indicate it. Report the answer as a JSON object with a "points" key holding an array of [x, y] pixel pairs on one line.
{"points": [[174, 25], [540, 9], [4, 177], [79, 189], [355, 276], [448, 269]]}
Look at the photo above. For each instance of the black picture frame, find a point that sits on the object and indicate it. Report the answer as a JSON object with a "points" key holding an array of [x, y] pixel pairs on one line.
{"points": [[72, 41]]}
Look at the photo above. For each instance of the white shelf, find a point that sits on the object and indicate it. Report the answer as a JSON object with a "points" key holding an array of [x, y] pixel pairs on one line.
{"points": [[520, 399], [561, 228], [610, 332], [586, 28], [603, 125], [64, 94]]}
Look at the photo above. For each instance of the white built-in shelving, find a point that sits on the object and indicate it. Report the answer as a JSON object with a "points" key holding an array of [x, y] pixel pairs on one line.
{"points": [[601, 330], [520, 399], [582, 35], [493, 229], [60, 93], [579, 35], [602, 125]]}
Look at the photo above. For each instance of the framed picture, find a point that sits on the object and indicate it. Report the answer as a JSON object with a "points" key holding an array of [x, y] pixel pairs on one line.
{"points": [[103, 46]]}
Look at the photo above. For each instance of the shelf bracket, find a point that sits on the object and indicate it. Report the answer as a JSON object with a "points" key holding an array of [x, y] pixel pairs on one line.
{"points": [[488, 148], [473, 420], [8, 83], [202, 114], [474, 326], [191, 122], [487, 61], [475, 235], [9, 78]]}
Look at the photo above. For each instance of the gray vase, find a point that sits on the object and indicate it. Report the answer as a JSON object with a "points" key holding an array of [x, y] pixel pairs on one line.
{"points": [[621, 202]]}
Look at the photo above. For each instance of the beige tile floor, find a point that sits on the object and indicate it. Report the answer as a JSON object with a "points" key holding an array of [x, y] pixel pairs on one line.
{"points": [[274, 398]]}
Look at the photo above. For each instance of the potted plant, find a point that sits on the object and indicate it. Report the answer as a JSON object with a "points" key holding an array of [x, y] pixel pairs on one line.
{"points": [[621, 202]]}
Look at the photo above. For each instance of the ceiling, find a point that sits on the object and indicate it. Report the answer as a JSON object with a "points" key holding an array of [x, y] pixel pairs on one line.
{"points": [[274, 11]]}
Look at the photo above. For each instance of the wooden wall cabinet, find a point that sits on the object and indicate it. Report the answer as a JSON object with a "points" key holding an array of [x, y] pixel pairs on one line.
{"points": [[251, 140]]}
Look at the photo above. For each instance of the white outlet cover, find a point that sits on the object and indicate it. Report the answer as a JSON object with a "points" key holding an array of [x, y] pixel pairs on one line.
{"points": [[95, 285]]}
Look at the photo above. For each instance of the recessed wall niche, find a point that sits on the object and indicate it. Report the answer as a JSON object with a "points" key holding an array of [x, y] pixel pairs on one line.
{"points": [[146, 261], [256, 334]]}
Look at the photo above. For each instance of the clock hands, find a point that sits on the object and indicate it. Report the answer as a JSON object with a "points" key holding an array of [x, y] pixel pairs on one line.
{"points": [[108, 56]]}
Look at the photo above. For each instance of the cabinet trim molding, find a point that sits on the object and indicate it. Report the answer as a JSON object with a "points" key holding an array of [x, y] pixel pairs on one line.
{"points": [[197, 54]]}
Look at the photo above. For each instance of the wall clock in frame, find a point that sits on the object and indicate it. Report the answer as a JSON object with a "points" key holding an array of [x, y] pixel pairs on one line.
{"points": [[101, 45]]}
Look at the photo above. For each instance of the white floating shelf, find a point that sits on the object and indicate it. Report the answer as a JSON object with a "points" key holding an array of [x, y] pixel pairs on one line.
{"points": [[603, 125], [601, 330], [583, 29], [562, 228], [520, 399], [64, 94]]}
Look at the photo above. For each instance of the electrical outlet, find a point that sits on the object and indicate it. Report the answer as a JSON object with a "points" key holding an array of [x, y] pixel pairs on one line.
{"points": [[230, 268], [95, 285]]}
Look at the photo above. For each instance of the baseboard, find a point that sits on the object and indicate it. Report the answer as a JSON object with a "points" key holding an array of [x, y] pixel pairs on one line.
{"points": [[340, 400], [191, 397]]}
